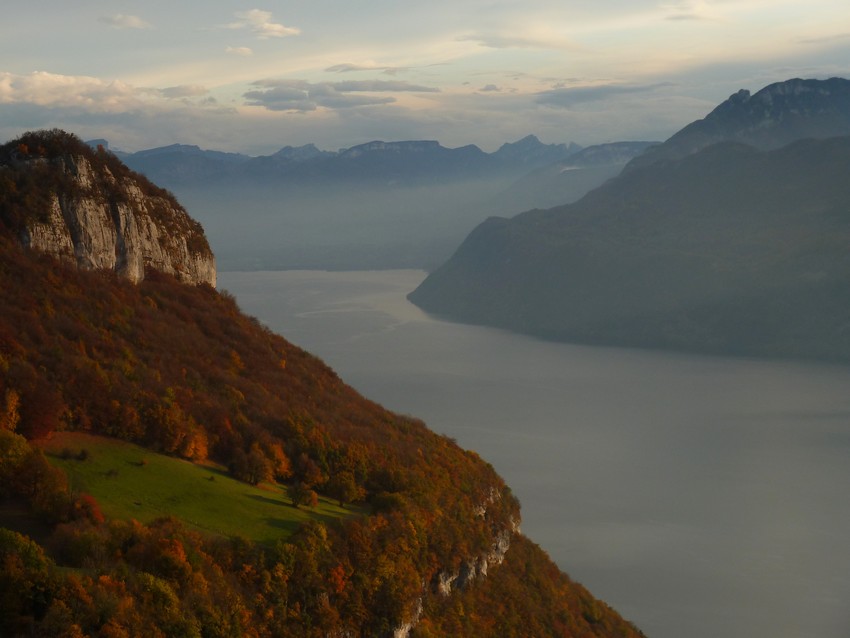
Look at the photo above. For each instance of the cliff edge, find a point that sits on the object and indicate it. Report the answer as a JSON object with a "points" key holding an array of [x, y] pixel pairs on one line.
{"points": [[84, 206]]}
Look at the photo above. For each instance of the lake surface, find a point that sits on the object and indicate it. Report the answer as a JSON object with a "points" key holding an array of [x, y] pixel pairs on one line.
{"points": [[701, 497]]}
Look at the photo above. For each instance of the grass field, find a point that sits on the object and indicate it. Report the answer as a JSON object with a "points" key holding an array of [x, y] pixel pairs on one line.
{"points": [[131, 482]]}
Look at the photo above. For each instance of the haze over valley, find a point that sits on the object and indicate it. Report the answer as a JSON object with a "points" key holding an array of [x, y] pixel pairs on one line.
{"points": [[374, 206]]}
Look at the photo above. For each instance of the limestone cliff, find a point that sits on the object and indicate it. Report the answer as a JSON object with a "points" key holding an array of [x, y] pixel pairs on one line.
{"points": [[84, 206]]}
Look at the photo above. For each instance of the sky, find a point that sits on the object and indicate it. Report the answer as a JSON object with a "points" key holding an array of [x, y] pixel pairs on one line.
{"points": [[253, 77]]}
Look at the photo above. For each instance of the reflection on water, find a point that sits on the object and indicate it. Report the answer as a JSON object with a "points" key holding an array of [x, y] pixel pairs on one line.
{"points": [[700, 496]]}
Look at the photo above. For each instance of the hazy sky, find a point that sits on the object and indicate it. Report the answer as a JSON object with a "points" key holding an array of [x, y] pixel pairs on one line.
{"points": [[256, 76]]}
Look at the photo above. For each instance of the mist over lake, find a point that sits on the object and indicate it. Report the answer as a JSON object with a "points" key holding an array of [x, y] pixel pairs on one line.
{"points": [[699, 496]]}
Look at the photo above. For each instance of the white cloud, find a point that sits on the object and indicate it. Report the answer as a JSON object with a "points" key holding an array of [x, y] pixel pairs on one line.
{"points": [[89, 94], [122, 21], [49, 89], [260, 24], [243, 51]]}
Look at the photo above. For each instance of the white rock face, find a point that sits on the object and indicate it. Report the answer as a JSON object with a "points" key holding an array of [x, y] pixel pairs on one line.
{"points": [[111, 224], [445, 582]]}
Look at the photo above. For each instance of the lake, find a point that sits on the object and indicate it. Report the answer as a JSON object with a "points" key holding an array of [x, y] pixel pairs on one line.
{"points": [[699, 496]]}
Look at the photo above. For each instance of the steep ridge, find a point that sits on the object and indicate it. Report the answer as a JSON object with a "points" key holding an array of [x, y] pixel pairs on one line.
{"points": [[87, 208], [777, 115], [179, 369]]}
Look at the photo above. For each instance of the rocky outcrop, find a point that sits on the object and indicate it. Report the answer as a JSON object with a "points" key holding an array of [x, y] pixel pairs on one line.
{"points": [[93, 212], [445, 582], [473, 567]]}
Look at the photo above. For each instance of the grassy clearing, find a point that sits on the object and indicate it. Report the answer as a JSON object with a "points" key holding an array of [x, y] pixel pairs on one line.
{"points": [[131, 482]]}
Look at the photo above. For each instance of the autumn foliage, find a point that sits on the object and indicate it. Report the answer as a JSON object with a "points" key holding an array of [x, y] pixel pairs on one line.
{"points": [[180, 370]]}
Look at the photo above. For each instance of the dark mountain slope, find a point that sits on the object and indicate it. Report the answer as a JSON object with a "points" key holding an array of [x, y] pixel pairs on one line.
{"points": [[729, 250]]}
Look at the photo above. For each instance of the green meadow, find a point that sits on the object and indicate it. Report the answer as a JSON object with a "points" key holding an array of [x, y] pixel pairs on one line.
{"points": [[130, 482]]}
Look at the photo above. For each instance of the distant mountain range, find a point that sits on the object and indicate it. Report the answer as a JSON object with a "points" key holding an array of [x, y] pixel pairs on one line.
{"points": [[730, 237], [414, 162], [402, 204]]}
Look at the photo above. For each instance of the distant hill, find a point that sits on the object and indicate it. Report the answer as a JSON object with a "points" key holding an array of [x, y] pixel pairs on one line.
{"points": [[176, 369], [729, 249], [182, 163]]}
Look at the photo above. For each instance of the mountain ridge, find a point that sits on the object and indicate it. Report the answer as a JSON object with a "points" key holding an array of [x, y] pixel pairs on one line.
{"points": [[774, 116]]}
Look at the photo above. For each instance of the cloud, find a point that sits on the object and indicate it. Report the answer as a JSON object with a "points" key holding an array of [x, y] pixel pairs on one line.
{"points": [[569, 97], [501, 41], [125, 114], [122, 21], [690, 11], [292, 95], [684, 17], [490, 88], [183, 91], [49, 89], [260, 24], [382, 86], [348, 68], [78, 94], [827, 39], [300, 95], [243, 51]]}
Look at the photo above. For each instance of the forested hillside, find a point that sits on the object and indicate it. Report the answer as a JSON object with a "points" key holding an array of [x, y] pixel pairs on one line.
{"points": [[179, 370]]}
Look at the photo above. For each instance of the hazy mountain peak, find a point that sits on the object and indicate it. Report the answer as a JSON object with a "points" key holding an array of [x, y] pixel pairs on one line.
{"points": [[774, 116], [796, 97], [530, 150], [301, 153], [529, 141]]}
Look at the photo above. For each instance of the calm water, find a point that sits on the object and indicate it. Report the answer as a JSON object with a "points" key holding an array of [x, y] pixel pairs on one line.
{"points": [[701, 497]]}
